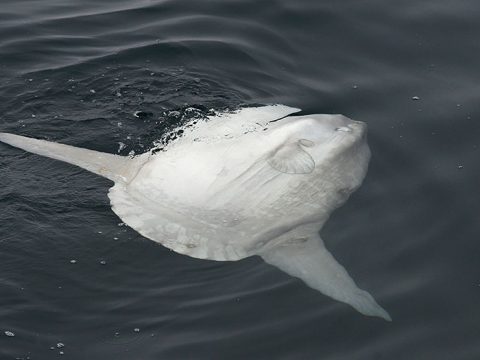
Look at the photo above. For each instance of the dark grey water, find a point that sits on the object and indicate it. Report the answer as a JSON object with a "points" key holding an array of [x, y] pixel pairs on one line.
{"points": [[76, 71]]}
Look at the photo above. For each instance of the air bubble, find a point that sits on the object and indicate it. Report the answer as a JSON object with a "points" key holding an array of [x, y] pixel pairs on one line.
{"points": [[121, 146]]}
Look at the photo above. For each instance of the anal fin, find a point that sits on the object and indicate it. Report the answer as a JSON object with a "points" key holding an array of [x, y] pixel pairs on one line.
{"points": [[311, 262]]}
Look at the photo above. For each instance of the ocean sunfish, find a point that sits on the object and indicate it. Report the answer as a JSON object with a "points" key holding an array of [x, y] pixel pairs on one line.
{"points": [[252, 182]]}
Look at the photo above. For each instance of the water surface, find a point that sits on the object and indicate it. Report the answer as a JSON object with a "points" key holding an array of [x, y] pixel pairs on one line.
{"points": [[77, 71]]}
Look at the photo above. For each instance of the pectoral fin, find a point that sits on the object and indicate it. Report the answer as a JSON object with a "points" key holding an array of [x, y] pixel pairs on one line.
{"points": [[311, 262], [290, 158]]}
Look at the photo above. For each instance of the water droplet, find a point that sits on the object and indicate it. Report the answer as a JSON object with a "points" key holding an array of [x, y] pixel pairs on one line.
{"points": [[73, 261], [142, 114], [121, 146], [9, 333]]}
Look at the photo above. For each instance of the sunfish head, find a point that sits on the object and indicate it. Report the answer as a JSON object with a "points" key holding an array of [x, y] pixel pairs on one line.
{"points": [[326, 157], [333, 139]]}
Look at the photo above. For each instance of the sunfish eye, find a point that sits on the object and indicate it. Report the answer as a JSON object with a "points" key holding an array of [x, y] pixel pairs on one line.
{"points": [[344, 129], [307, 143]]}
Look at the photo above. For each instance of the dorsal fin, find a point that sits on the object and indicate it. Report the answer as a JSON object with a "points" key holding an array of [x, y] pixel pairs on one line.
{"points": [[113, 167]]}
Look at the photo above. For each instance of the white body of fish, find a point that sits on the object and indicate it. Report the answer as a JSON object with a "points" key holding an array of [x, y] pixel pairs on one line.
{"points": [[252, 182]]}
